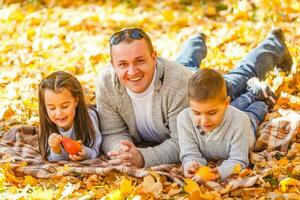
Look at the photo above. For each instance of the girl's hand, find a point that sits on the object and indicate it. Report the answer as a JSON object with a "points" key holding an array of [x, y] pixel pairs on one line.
{"points": [[192, 170], [54, 142], [217, 174], [80, 155]]}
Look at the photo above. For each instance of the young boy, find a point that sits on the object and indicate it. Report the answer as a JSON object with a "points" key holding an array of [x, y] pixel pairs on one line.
{"points": [[211, 128]]}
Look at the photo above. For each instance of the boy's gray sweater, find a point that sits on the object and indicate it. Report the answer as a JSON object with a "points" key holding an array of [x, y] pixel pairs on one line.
{"points": [[230, 141]]}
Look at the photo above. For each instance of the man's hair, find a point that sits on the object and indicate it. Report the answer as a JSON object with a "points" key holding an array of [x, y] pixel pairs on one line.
{"points": [[206, 84], [127, 38]]}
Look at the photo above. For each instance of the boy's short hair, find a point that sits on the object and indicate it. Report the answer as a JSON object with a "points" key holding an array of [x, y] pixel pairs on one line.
{"points": [[206, 84]]}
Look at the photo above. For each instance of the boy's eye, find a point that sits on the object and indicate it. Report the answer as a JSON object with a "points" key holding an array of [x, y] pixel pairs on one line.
{"points": [[196, 113], [212, 113]]}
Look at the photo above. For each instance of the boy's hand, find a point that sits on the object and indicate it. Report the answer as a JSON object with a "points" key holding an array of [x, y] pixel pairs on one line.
{"points": [[80, 155], [54, 142], [192, 170]]}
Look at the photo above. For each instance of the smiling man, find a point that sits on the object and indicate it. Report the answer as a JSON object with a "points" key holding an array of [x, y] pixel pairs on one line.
{"points": [[140, 95], [138, 99]]}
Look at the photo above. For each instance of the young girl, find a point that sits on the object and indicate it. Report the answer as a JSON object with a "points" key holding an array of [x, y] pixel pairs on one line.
{"points": [[63, 113]]}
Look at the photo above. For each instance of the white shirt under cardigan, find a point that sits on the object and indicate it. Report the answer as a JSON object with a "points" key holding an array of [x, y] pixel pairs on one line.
{"points": [[90, 152], [230, 141], [142, 106]]}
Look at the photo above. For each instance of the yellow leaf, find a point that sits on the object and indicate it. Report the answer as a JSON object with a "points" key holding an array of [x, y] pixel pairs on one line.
{"points": [[125, 186], [237, 169], [194, 195], [191, 186], [28, 103], [30, 32], [39, 193], [288, 182], [168, 15], [17, 15], [7, 114], [13, 189], [210, 11], [114, 195], [204, 172], [193, 189], [29, 180], [2, 177], [150, 186], [283, 161]]}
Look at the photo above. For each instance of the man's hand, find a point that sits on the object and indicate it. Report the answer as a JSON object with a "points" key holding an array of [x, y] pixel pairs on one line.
{"points": [[54, 142], [192, 170], [127, 154]]}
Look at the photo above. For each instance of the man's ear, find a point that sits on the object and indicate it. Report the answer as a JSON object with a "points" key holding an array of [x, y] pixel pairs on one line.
{"points": [[153, 56]]}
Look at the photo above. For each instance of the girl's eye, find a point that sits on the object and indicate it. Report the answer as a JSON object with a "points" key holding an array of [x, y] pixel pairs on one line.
{"points": [[64, 107], [51, 108]]}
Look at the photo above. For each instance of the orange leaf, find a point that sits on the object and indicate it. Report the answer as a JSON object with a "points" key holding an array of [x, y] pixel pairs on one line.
{"points": [[125, 186], [29, 180], [191, 186]]}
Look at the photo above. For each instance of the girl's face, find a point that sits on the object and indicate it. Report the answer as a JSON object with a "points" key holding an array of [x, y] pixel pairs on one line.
{"points": [[61, 107]]}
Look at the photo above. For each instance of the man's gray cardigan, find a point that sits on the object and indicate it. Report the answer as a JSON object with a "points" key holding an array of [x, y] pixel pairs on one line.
{"points": [[117, 119]]}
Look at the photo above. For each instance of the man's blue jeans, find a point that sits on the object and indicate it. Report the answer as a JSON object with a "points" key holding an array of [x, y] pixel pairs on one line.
{"points": [[256, 110], [257, 63], [193, 51]]}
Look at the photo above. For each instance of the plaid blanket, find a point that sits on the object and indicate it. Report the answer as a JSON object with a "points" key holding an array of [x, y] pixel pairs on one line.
{"points": [[19, 146], [278, 133]]}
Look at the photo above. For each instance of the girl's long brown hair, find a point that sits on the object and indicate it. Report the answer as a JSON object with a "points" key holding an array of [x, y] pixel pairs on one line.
{"points": [[84, 129]]}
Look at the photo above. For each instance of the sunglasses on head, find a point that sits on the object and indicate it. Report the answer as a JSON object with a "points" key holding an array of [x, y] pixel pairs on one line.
{"points": [[134, 33]]}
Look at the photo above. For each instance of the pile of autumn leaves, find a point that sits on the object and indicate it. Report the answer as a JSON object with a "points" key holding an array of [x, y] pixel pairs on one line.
{"points": [[37, 39]]}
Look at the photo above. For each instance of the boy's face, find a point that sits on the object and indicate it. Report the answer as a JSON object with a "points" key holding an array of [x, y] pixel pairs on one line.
{"points": [[208, 114]]}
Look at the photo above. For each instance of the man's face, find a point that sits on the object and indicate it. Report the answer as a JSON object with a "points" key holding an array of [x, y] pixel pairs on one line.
{"points": [[134, 64], [209, 114]]}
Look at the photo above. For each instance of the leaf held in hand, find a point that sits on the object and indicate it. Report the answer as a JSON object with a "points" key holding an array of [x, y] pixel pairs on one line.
{"points": [[205, 173], [237, 169]]}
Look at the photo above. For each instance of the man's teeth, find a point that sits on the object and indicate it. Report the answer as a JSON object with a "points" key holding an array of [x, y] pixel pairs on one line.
{"points": [[135, 79]]}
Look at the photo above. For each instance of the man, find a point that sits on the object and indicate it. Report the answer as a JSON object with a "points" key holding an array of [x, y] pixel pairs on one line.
{"points": [[140, 95]]}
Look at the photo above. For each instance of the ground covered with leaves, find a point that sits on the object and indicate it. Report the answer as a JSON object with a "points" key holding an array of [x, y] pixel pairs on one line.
{"points": [[39, 37]]}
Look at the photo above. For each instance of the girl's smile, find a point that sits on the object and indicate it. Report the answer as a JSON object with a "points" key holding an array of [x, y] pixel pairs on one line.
{"points": [[61, 107]]}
